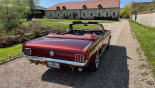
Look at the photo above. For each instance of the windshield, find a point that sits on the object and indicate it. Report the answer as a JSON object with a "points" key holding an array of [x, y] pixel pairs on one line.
{"points": [[86, 27]]}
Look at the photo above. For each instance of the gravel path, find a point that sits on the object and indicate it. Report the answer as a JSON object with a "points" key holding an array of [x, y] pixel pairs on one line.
{"points": [[122, 66]]}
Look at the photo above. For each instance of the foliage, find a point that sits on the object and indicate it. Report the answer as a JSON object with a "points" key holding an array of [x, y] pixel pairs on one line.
{"points": [[146, 37], [5, 41], [36, 33], [36, 29], [19, 33], [11, 11], [125, 12], [10, 52], [31, 4], [2, 33], [142, 7]]}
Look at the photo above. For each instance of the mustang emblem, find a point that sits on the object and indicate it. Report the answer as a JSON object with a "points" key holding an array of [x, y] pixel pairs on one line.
{"points": [[51, 53]]}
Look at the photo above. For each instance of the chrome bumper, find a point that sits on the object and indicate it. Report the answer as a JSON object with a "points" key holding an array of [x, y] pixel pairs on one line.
{"points": [[56, 60]]}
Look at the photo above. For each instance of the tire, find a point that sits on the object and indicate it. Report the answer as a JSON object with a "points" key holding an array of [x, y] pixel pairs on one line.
{"points": [[108, 46], [94, 67]]}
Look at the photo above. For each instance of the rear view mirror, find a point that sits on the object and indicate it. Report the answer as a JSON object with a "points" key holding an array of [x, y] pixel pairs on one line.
{"points": [[67, 30]]}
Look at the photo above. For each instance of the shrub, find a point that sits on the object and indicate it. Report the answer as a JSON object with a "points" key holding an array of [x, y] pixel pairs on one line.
{"points": [[36, 29], [66, 17], [2, 33], [36, 33], [19, 33], [5, 41]]}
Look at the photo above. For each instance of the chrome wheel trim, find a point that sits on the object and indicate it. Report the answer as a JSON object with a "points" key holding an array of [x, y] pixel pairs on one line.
{"points": [[97, 61]]}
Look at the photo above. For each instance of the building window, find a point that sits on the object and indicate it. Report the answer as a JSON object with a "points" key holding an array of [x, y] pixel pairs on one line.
{"points": [[84, 7], [100, 6], [114, 13], [84, 14], [77, 14], [50, 15], [99, 14], [64, 14], [106, 14], [63, 8], [58, 8], [70, 14], [91, 14], [58, 14]]}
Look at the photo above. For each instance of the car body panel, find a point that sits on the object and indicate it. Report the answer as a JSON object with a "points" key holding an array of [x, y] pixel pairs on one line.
{"points": [[65, 46]]}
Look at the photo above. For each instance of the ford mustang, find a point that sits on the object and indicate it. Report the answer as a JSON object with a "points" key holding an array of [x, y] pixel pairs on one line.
{"points": [[79, 48]]}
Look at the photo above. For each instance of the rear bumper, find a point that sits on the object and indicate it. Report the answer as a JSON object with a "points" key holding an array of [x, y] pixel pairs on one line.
{"points": [[73, 63]]}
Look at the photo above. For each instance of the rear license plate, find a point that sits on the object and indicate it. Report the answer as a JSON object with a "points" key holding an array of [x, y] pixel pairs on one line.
{"points": [[53, 65]]}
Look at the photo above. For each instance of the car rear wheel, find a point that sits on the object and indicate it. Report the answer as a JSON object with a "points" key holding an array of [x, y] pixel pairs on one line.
{"points": [[95, 65], [108, 43]]}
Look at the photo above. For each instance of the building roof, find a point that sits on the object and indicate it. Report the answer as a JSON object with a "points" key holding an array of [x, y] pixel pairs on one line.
{"points": [[88, 4], [39, 8]]}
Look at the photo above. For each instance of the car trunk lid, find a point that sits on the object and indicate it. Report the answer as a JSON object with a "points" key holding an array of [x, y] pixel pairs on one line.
{"points": [[62, 48]]}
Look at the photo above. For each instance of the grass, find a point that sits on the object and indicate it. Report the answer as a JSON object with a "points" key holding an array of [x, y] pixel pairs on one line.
{"points": [[69, 21], [150, 83], [61, 26], [146, 37], [51, 22], [10, 52], [142, 66], [144, 74]]}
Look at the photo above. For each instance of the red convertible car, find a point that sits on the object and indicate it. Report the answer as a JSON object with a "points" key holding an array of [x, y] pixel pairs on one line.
{"points": [[79, 48]]}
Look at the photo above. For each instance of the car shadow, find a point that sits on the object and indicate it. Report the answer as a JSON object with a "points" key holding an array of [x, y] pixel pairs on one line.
{"points": [[112, 72]]}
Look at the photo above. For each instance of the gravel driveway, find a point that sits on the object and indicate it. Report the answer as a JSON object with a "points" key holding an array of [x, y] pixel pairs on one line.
{"points": [[123, 65]]}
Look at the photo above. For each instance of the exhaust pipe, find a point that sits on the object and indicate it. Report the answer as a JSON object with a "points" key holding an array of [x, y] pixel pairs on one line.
{"points": [[71, 68], [37, 62], [80, 69]]}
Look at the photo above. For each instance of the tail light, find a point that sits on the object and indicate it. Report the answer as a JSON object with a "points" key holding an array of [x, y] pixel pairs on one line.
{"points": [[79, 58], [27, 51]]}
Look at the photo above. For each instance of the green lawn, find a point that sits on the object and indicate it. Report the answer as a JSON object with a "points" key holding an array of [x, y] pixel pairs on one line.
{"points": [[146, 38], [70, 21], [52, 25], [63, 24], [51, 22], [13, 51]]}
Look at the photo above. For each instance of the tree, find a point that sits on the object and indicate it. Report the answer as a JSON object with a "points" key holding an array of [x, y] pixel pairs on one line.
{"points": [[125, 12], [152, 6], [31, 5], [12, 11]]}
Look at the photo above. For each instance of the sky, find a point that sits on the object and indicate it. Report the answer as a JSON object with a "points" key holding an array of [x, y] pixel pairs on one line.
{"points": [[49, 3]]}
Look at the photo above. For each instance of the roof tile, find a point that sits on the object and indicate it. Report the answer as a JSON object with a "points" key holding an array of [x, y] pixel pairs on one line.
{"points": [[89, 4]]}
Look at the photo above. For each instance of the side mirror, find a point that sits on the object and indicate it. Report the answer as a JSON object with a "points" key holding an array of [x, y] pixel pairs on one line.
{"points": [[67, 30]]}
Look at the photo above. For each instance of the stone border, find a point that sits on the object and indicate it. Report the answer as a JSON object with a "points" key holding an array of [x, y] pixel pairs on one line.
{"points": [[8, 60]]}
